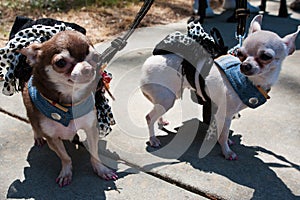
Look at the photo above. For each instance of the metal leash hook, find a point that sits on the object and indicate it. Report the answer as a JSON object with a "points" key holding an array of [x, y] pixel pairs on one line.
{"points": [[116, 45], [241, 14]]}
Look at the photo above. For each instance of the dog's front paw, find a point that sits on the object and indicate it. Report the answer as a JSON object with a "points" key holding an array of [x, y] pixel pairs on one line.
{"points": [[65, 176], [154, 142], [104, 172]]}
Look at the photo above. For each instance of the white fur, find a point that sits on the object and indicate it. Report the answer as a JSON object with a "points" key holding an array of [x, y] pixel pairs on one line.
{"points": [[57, 130]]}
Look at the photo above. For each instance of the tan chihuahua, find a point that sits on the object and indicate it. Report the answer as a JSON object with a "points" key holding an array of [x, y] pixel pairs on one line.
{"points": [[258, 60], [59, 100]]}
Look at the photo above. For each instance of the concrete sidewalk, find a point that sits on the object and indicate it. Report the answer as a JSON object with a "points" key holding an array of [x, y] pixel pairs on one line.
{"points": [[267, 139]]}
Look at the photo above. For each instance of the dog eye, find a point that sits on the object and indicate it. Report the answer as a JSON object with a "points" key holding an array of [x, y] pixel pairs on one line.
{"points": [[240, 55], [265, 57], [61, 63]]}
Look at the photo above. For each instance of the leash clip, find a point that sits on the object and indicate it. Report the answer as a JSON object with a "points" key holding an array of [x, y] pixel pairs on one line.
{"points": [[240, 38]]}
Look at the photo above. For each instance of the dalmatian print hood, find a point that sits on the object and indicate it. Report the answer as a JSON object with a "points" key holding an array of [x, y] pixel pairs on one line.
{"points": [[10, 57]]}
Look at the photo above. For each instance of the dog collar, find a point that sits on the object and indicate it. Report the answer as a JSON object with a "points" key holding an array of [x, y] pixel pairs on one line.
{"points": [[57, 112], [251, 95]]}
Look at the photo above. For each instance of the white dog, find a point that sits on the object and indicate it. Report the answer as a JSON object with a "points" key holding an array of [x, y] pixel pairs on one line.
{"points": [[258, 62]]}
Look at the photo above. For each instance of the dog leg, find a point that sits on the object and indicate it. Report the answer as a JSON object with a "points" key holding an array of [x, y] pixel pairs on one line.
{"points": [[151, 118], [223, 121], [98, 167], [65, 176], [225, 142], [39, 141], [163, 99], [230, 142], [154, 115]]}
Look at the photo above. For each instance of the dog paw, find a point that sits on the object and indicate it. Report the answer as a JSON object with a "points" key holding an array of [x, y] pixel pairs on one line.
{"points": [[65, 176], [154, 142], [105, 173], [231, 156], [163, 122], [39, 142]]}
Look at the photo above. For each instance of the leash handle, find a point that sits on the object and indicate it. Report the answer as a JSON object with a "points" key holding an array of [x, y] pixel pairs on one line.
{"points": [[140, 15]]}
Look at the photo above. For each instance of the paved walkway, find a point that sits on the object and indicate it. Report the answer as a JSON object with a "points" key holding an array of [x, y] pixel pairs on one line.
{"points": [[267, 139]]}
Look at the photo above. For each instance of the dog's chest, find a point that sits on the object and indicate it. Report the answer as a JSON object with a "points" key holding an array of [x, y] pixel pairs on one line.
{"points": [[54, 129]]}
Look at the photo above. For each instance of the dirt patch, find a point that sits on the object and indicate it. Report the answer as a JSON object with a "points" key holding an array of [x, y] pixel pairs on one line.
{"points": [[103, 23]]}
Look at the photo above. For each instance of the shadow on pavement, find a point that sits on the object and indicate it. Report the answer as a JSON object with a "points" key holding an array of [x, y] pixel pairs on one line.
{"points": [[248, 170], [44, 167]]}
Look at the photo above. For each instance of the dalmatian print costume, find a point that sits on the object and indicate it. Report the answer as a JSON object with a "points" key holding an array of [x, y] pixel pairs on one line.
{"points": [[191, 44], [10, 57]]}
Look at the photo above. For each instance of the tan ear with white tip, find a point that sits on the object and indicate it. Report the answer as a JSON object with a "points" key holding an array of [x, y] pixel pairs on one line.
{"points": [[31, 52], [289, 40], [255, 24]]}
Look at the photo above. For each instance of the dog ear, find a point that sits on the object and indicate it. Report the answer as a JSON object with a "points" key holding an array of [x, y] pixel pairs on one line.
{"points": [[255, 24], [289, 40], [32, 53]]}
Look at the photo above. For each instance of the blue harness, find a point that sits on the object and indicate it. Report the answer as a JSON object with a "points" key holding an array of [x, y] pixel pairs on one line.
{"points": [[62, 114], [248, 93]]}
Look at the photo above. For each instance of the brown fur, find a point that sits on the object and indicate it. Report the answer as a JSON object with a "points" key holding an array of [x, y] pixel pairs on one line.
{"points": [[71, 82]]}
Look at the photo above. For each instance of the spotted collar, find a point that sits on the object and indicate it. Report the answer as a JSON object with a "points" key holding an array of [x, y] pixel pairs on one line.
{"points": [[58, 112]]}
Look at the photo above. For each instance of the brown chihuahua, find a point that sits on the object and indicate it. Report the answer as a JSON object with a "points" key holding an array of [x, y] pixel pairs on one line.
{"points": [[59, 97]]}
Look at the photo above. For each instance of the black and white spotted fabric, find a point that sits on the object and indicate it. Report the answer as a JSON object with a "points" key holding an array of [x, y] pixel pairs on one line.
{"points": [[196, 31], [193, 44], [104, 113], [213, 42], [9, 57], [182, 45]]}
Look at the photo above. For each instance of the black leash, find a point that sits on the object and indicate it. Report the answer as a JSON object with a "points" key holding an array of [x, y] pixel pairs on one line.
{"points": [[120, 42], [241, 14]]}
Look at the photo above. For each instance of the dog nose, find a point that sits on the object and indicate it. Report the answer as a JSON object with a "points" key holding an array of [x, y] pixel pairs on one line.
{"points": [[246, 67], [86, 71]]}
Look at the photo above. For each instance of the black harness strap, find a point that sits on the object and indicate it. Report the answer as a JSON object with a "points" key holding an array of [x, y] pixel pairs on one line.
{"points": [[189, 71]]}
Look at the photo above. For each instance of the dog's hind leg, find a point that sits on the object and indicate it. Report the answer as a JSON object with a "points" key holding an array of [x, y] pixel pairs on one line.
{"points": [[151, 118], [160, 107]]}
